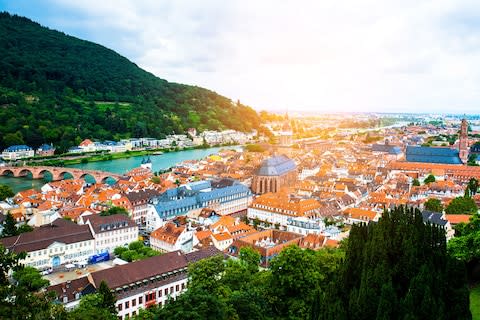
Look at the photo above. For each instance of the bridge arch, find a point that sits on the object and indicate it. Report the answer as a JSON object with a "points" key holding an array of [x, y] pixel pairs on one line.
{"points": [[25, 172], [7, 172], [107, 179], [42, 172], [87, 176], [64, 175]]}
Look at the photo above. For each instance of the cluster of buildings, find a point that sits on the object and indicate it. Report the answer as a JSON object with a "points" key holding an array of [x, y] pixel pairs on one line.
{"points": [[189, 140], [16, 152], [308, 196]]}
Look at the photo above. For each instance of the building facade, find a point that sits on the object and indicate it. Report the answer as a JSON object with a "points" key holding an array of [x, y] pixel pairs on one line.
{"points": [[171, 237], [280, 208], [17, 152], [225, 197], [52, 245], [111, 231], [136, 285], [273, 174]]}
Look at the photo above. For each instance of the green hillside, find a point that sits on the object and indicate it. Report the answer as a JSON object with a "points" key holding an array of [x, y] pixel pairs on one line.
{"points": [[61, 89]]}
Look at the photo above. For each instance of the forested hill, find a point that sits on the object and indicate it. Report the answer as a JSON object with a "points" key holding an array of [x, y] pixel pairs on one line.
{"points": [[61, 89]]}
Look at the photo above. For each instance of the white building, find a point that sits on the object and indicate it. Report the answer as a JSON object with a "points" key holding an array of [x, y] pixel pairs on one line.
{"points": [[17, 152], [171, 238], [304, 225], [136, 285], [52, 245], [113, 231]]}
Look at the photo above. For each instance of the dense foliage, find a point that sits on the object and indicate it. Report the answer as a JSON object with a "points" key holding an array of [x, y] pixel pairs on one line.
{"points": [[135, 251], [465, 245], [434, 205], [114, 210], [60, 89], [429, 179], [10, 227], [5, 192], [397, 268], [462, 205]]}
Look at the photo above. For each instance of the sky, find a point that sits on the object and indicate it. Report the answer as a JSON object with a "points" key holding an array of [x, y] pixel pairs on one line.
{"points": [[317, 56]]}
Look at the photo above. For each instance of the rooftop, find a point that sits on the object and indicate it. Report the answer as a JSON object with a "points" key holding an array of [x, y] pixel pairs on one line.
{"points": [[276, 166], [432, 155]]}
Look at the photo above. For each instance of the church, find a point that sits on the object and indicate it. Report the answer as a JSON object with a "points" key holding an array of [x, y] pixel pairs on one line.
{"points": [[442, 155], [273, 174]]}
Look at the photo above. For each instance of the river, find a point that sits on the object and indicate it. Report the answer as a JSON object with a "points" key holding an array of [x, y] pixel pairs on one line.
{"points": [[159, 162]]}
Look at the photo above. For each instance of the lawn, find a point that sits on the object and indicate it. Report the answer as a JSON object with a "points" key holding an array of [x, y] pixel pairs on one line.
{"points": [[475, 302]]}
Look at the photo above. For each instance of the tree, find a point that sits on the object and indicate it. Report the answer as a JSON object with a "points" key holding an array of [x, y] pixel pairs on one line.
{"points": [[473, 186], [108, 298], [9, 226], [24, 228], [416, 183], [18, 301], [205, 274], [136, 251], [114, 210], [434, 205], [429, 179], [30, 278], [462, 205], [5, 192], [91, 307]]}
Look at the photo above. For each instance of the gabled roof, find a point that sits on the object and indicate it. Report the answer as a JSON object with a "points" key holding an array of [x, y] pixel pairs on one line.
{"points": [[139, 270], [20, 147], [168, 233], [109, 223], [42, 237], [433, 218], [432, 155]]}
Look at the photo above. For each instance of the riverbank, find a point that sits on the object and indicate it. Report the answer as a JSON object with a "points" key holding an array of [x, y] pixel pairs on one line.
{"points": [[121, 165], [69, 160]]}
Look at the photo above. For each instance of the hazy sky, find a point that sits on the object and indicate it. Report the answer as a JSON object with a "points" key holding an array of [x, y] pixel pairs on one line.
{"points": [[369, 55]]}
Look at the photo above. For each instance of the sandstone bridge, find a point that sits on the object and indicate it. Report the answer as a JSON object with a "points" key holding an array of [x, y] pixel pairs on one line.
{"points": [[57, 173]]}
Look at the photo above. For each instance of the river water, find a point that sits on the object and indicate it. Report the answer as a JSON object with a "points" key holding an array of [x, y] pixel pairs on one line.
{"points": [[120, 166]]}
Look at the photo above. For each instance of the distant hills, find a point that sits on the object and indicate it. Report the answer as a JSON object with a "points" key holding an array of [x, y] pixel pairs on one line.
{"points": [[59, 89]]}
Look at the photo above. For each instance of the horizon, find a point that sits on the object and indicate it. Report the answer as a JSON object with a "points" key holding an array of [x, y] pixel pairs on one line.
{"points": [[390, 58]]}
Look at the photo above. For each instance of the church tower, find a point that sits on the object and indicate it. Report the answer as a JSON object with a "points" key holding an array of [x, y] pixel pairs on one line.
{"points": [[286, 133], [463, 141]]}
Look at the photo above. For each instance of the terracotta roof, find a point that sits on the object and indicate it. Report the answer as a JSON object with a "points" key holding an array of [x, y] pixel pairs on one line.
{"points": [[168, 233], [458, 218], [203, 234], [222, 236], [361, 214], [312, 241]]}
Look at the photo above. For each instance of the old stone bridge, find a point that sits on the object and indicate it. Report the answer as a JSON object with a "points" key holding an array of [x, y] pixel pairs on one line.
{"points": [[58, 173]]}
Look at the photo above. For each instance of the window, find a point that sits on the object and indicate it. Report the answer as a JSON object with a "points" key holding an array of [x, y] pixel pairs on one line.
{"points": [[166, 292], [171, 289], [140, 300], [177, 288], [127, 304], [119, 306], [134, 302]]}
